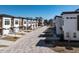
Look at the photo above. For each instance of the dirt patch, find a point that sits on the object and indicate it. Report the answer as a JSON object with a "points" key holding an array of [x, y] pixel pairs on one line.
{"points": [[28, 31], [65, 48], [58, 49], [3, 46], [10, 38], [20, 34]]}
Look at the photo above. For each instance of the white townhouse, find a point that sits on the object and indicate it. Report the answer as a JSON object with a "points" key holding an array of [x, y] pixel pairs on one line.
{"points": [[16, 24], [25, 23], [22, 23], [5, 24], [58, 22], [29, 24], [8, 24], [42, 22], [34, 24], [71, 25]]}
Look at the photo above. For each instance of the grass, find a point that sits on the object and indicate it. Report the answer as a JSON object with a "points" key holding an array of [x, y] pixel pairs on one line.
{"points": [[10, 38]]}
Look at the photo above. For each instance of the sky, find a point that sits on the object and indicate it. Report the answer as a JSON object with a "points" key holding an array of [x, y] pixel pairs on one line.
{"points": [[45, 11]]}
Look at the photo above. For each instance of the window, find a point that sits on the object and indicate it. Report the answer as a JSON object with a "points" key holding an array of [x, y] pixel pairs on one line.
{"points": [[67, 34], [74, 35], [67, 17], [7, 21], [74, 17], [16, 22], [70, 17]]}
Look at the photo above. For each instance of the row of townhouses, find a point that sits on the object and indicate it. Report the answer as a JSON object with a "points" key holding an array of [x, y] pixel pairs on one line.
{"points": [[10, 24], [69, 22]]}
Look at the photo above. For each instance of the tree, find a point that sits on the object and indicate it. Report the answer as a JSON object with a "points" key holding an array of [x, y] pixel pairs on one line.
{"points": [[39, 21], [50, 22], [45, 22]]}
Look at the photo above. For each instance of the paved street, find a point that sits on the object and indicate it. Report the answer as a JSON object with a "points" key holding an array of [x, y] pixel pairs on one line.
{"points": [[28, 43]]}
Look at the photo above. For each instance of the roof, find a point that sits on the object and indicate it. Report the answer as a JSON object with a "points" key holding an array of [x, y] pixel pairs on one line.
{"points": [[58, 16], [21, 17], [30, 18], [70, 12], [6, 15]]}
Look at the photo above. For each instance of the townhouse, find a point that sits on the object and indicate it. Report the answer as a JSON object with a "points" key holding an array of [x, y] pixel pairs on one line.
{"points": [[34, 24], [42, 22], [22, 23], [29, 23], [5, 24], [10, 24], [71, 25], [58, 22], [14, 25]]}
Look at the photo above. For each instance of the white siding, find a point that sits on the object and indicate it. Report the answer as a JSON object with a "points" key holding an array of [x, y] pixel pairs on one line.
{"points": [[24, 20], [7, 27], [59, 23], [16, 29], [29, 22], [5, 32], [70, 25], [16, 25]]}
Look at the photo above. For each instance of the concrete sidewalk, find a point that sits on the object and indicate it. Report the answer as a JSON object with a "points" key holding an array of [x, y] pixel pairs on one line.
{"points": [[27, 44], [5, 42]]}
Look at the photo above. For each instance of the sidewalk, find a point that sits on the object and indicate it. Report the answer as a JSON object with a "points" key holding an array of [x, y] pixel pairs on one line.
{"points": [[27, 44]]}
